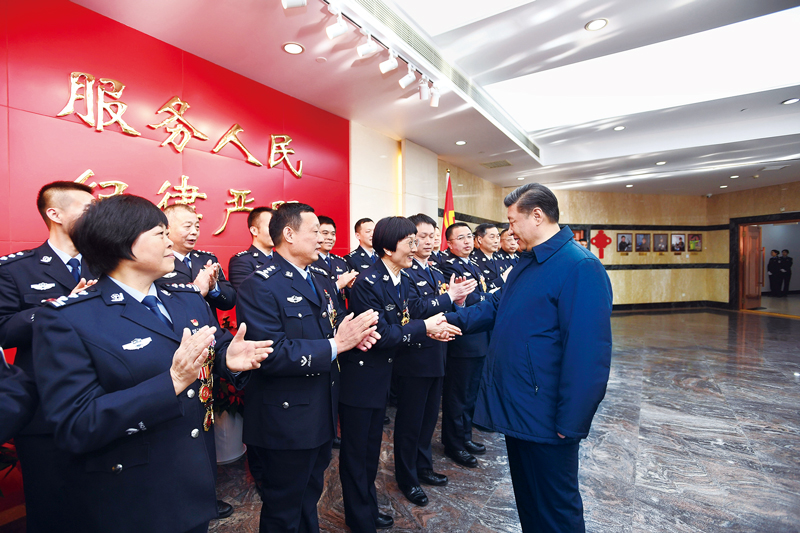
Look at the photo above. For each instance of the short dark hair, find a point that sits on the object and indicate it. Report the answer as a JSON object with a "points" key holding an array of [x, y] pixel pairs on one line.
{"points": [[179, 207], [389, 231], [776, 252], [46, 195], [533, 195], [503, 231], [255, 214], [787, 251], [326, 220], [288, 214], [105, 234], [449, 231], [422, 218], [481, 229], [360, 222]]}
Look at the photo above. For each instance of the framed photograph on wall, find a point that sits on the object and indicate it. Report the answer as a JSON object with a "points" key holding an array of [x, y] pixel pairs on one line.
{"points": [[695, 242], [624, 242], [678, 242], [660, 242], [642, 242]]}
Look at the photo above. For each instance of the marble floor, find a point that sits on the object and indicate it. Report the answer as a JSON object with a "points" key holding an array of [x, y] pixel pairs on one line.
{"points": [[699, 432], [788, 305]]}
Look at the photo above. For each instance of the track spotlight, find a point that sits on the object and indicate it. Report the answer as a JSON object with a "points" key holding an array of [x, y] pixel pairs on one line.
{"points": [[434, 96], [289, 4], [424, 89], [369, 47], [336, 29], [390, 64], [409, 78]]}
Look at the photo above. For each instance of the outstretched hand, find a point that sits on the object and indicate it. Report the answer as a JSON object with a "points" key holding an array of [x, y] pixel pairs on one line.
{"points": [[82, 284], [190, 356], [243, 355], [460, 288], [438, 328]]}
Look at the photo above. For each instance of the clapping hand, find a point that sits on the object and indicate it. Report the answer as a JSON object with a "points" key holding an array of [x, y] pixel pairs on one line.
{"points": [[190, 356], [357, 332], [245, 355], [82, 285], [460, 288], [347, 279]]}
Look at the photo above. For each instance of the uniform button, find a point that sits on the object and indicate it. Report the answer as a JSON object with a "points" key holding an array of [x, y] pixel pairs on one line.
{"points": [[324, 314], [361, 363], [190, 393], [285, 405], [399, 314], [300, 315], [195, 433], [116, 469], [390, 359], [332, 382]]}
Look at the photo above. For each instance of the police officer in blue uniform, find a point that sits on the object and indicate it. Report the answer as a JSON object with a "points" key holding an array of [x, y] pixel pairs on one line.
{"points": [[259, 254], [124, 372], [465, 358], [507, 255], [291, 402], [383, 287], [27, 280], [196, 266], [364, 255], [336, 267], [18, 399], [484, 256], [420, 370]]}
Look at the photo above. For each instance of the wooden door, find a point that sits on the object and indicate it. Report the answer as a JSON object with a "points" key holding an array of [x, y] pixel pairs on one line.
{"points": [[752, 267]]}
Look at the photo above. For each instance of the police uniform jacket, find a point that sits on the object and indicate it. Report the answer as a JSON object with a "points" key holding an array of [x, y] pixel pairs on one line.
{"points": [[786, 264], [27, 280], [18, 399], [226, 298], [548, 362], [291, 402], [245, 263], [359, 260], [774, 265], [489, 268], [474, 345], [366, 375], [425, 358], [145, 461], [506, 260], [337, 267]]}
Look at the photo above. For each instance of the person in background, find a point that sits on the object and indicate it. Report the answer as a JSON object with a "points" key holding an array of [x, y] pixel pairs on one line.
{"points": [[507, 255], [28, 279], [364, 255], [335, 266], [487, 243], [786, 272], [258, 255], [125, 372], [774, 273], [436, 256], [548, 362]]}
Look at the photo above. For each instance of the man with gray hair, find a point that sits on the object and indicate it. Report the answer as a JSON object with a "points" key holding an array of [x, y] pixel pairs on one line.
{"points": [[548, 360]]}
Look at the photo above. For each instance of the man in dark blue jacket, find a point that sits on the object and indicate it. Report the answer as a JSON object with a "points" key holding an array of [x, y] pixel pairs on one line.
{"points": [[259, 254], [17, 399], [548, 362]]}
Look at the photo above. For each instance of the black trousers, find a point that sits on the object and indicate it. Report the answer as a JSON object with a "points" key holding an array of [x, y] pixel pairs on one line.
{"points": [[417, 411], [49, 476], [462, 376], [292, 481], [362, 432], [786, 280], [775, 284], [545, 478]]}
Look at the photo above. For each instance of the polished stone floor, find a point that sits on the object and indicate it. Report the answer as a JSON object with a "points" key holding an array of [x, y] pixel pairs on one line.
{"points": [[787, 305], [699, 432]]}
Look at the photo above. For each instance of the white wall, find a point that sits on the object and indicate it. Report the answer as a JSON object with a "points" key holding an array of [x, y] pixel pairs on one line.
{"points": [[779, 237], [420, 180]]}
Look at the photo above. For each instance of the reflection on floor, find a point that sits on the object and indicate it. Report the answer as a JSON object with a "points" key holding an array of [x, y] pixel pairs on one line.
{"points": [[788, 305], [699, 432]]}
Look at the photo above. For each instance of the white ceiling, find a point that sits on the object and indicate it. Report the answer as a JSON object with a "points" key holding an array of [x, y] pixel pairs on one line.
{"points": [[508, 43]]}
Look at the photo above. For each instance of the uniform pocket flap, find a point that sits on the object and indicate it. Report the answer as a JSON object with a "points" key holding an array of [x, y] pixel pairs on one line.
{"points": [[116, 461]]}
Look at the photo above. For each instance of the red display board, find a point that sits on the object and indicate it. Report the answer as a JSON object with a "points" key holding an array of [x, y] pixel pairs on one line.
{"points": [[58, 58]]}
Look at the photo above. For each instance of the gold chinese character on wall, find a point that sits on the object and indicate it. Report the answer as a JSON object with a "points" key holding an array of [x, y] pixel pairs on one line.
{"points": [[119, 186], [279, 151], [231, 136], [186, 195], [82, 88], [181, 131], [239, 201]]}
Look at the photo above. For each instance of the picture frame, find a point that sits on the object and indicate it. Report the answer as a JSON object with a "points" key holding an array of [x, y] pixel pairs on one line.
{"points": [[695, 242], [678, 242], [660, 242], [624, 242], [642, 242]]}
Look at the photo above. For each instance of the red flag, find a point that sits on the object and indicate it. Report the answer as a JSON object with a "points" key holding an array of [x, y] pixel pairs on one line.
{"points": [[449, 211]]}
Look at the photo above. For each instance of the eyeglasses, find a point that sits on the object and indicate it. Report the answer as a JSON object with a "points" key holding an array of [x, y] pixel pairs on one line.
{"points": [[413, 243], [463, 238]]}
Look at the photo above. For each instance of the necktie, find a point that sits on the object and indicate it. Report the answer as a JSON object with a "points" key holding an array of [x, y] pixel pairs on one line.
{"points": [[76, 269], [188, 263], [430, 274], [328, 260], [151, 302], [373, 257], [311, 282]]}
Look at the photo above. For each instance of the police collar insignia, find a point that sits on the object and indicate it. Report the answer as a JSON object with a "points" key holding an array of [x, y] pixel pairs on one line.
{"points": [[294, 299], [137, 344], [288, 274], [43, 286], [196, 254], [46, 259], [386, 277], [117, 297], [171, 274], [166, 293]]}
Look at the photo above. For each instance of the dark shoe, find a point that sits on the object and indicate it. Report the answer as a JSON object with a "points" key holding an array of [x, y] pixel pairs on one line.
{"points": [[474, 448], [224, 510], [386, 422], [384, 521], [415, 495], [337, 442], [462, 457], [429, 477]]}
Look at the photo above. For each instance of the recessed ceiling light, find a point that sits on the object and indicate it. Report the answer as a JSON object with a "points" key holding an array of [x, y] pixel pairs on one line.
{"points": [[520, 179], [461, 143], [723, 186], [734, 177], [619, 128], [460, 184], [629, 186], [661, 163], [791, 101], [596, 24], [289, 4], [321, 59], [293, 48]]}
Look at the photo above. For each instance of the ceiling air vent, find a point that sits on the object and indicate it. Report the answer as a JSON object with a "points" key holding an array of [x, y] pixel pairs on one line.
{"points": [[497, 164]]}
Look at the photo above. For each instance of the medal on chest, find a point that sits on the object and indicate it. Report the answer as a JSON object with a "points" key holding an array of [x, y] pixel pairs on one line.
{"points": [[332, 317], [483, 284], [443, 288], [206, 385], [406, 317]]}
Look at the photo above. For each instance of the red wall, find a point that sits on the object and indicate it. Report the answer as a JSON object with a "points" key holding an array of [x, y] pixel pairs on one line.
{"points": [[43, 41]]}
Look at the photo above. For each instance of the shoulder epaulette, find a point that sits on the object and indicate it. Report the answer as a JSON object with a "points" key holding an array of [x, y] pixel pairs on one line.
{"points": [[202, 252], [337, 256], [267, 272], [243, 252], [182, 287], [404, 273], [352, 253], [318, 270], [72, 298], [10, 258], [366, 278], [435, 269]]}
